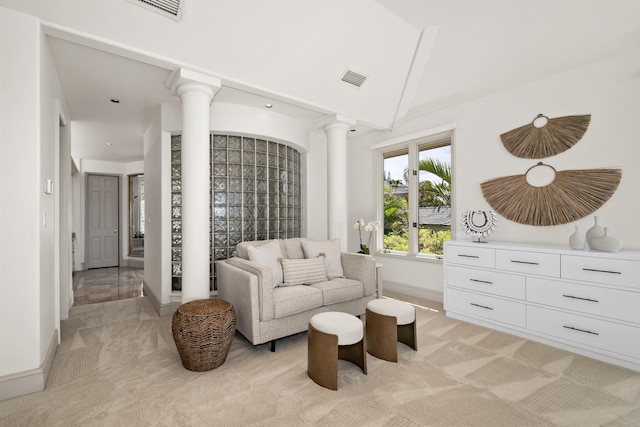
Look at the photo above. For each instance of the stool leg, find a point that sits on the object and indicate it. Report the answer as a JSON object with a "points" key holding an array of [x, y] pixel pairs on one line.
{"points": [[322, 358], [382, 336], [354, 353], [407, 334]]}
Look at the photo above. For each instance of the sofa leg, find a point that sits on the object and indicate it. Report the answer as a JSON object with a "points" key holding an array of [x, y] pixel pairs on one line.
{"points": [[273, 346]]}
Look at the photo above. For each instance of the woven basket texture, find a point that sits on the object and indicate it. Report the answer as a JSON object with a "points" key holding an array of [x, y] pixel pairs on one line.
{"points": [[572, 195], [203, 331], [558, 135]]}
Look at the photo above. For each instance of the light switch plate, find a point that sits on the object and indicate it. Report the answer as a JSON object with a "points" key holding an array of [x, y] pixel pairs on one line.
{"points": [[48, 186]]}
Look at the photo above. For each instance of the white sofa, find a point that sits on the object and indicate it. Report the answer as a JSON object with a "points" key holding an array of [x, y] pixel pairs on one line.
{"points": [[264, 285]]}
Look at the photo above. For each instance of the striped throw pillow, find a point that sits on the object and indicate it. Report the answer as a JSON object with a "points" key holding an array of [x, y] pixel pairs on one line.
{"points": [[303, 271]]}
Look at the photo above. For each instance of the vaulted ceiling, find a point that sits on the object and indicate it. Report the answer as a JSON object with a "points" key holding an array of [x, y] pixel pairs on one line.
{"points": [[417, 55]]}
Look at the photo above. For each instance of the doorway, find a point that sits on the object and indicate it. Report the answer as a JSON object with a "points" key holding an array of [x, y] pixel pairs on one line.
{"points": [[103, 223], [64, 225]]}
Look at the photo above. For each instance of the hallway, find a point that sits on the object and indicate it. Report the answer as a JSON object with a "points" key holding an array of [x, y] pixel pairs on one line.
{"points": [[106, 284]]}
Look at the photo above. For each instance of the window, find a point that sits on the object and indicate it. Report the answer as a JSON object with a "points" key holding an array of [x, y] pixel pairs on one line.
{"points": [[416, 188]]}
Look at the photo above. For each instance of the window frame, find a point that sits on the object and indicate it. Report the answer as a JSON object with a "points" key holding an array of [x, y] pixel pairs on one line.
{"points": [[412, 144]]}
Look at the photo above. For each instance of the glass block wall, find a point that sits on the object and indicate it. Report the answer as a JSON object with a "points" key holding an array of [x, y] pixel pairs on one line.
{"points": [[255, 195]]}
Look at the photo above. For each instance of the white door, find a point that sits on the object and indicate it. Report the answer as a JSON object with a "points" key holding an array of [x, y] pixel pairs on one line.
{"points": [[102, 220]]}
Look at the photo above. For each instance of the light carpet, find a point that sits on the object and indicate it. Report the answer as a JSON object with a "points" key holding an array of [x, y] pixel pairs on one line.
{"points": [[117, 365]]}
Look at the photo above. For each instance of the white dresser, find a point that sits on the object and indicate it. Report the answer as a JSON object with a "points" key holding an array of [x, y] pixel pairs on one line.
{"points": [[587, 302]]}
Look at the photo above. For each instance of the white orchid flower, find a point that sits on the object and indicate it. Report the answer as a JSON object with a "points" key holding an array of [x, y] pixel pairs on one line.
{"points": [[359, 223], [372, 225]]}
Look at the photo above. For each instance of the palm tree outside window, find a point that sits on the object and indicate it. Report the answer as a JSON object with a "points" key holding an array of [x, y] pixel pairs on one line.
{"points": [[417, 221]]}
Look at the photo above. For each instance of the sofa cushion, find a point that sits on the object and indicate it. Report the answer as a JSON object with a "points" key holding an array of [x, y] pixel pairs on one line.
{"points": [[331, 251], [295, 299], [293, 248], [268, 254], [303, 271], [242, 247], [339, 290]]}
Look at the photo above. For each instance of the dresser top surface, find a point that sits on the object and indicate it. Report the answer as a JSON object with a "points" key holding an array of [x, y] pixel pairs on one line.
{"points": [[551, 249]]}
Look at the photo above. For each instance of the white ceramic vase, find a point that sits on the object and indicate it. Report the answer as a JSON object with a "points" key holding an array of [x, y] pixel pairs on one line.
{"points": [[577, 240], [594, 232], [606, 243]]}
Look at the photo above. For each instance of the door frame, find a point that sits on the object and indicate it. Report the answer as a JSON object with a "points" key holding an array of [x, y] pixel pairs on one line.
{"points": [[87, 258], [63, 221]]}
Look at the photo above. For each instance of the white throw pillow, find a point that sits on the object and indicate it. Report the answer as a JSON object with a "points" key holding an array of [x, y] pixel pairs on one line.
{"points": [[331, 251], [303, 271], [268, 254]]}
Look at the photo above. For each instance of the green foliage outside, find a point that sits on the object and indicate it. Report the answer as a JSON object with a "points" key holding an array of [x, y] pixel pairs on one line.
{"points": [[431, 241], [397, 242], [395, 212], [396, 216]]}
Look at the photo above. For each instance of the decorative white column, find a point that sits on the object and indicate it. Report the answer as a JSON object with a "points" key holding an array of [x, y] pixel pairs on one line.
{"points": [[196, 90], [336, 127]]}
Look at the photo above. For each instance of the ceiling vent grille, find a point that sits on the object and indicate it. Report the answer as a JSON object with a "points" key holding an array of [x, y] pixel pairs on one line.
{"points": [[169, 8], [352, 78]]}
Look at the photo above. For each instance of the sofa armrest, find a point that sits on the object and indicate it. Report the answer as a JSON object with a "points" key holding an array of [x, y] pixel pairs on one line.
{"points": [[264, 277], [240, 288], [360, 267]]}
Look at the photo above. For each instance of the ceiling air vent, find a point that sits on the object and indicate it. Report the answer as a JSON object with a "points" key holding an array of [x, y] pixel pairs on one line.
{"points": [[352, 78], [169, 8]]}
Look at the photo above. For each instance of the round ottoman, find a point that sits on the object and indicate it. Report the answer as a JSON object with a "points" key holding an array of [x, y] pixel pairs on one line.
{"points": [[390, 321], [332, 336], [203, 331]]}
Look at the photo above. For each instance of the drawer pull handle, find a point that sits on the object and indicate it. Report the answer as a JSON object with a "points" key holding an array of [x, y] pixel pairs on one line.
{"points": [[481, 306], [524, 262], [468, 256], [580, 330], [580, 298], [482, 281], [602, 271]]}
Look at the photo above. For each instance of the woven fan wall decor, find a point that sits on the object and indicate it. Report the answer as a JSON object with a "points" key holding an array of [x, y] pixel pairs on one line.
{"points": [[572, 195], [554, 137]]}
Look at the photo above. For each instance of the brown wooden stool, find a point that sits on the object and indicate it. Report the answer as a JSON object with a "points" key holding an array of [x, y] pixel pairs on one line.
{"points": [[390, 321], [333, 336]]}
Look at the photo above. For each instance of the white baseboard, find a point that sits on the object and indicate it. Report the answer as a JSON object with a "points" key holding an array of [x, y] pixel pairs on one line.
{"points": [[132, 262], [32, 380], [162, 310], [413, 291]]}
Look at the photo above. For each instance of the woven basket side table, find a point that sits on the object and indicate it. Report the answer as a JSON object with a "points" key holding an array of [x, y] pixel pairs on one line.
{"points": [[203, 331]]}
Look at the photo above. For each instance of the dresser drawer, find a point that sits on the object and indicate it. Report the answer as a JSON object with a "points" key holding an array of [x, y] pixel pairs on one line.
{"points": [[475, 256], [487, 307], [492, 282], [528, 262], [602, 270], [609, 336], [605, 302]]}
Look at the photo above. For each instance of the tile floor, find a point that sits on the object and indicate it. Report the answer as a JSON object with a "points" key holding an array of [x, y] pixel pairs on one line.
{"points": [[107, 284]]}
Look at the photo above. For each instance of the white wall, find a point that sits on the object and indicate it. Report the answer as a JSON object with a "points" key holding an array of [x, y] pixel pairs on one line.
{"points": [[21, 193], [157, 251], [608, 90], [31, 102], [52, 259]]}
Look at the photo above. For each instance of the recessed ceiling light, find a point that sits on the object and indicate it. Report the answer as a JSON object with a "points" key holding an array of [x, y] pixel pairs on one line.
{"points": [[115, 100], [268, 105], [109, 144]]}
